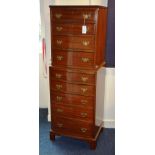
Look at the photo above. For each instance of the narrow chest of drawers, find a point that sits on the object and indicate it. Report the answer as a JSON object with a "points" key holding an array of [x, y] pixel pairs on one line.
{"points": [[78, 36]]}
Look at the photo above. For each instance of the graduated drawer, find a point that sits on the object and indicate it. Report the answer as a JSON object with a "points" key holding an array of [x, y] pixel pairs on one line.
{"points": [[72, 112], [73, 59], [74, 42], [72, 76], [65, 28], [72, 88], [72, 126], [70, 99], [74, 15]]}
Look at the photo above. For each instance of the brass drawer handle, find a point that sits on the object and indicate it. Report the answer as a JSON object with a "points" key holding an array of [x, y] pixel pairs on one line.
{"points": [[59, 42], [58, 76], [84, 90], [59, 57], [59, 98], [85, 59], [58, 86], [85, 43], [58, 28], [86, 16], [58, 15], [83, 114], [59, 110], [84, 79], [83, 130], [60, 125], [84, 101]]}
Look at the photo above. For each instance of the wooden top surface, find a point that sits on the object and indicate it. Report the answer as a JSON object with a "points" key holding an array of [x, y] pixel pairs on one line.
{"points": [[77, 6]]}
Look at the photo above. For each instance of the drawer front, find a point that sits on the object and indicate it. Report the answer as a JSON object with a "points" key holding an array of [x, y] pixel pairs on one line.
{"points": [[72, 77], [74, 29], [72, 112], [72, 88], [77, 15], [74, 42], [72, 127], [73, 59], [76, 100]]}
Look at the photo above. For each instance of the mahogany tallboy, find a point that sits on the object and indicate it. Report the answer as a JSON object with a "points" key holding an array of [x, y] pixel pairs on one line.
{"points": [[77, 56]]}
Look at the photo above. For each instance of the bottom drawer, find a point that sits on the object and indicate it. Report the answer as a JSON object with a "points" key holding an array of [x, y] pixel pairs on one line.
{"points": [[72, 127]]}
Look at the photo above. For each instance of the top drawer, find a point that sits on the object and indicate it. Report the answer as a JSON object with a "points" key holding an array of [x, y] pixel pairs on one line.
{"points": [[78, 14]]}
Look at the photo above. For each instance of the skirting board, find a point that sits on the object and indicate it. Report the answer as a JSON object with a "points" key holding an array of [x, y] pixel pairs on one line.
{"points": [[109, 123], [106, 123]]}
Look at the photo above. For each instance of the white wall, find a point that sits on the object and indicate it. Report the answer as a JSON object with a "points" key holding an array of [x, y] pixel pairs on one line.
{"points": [[109, 98], [43, 86], [44, 99]]}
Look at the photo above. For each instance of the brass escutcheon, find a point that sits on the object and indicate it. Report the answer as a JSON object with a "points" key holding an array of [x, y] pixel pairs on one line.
{"points": [[86, 16], [83, 129], [59, 57], [58, 76], [83, 114], [59, 110], [59, 42], [59, 98], [84, 79], [84, 101], [85, 43], [58, 28], [60, 125], [58, 86], [58, 15], [85, 59], [84, 90]]}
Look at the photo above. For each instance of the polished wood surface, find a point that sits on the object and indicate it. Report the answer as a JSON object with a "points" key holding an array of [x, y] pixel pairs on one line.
{"points": [[73, 59], [101, 36], [72, 29], [74, 42], [74, 15], [80, 89], [72, 77], [72, 126], [70, 111], [70, 99], [76, 57]]}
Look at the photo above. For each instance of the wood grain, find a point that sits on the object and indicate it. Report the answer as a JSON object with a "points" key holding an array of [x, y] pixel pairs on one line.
{"points": [[72, 77], [70, 99], [72, 29], [72, 126], [76, 58], [74, 42], [80, 89]]}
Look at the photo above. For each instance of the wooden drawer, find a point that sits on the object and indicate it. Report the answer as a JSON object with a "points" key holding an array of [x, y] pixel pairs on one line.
{"points": [[73, 59], [74, 15], [70, 111], [73, 88], [73, 77], [65, 28], [76, 100], [74, 42], [72, 126]]}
